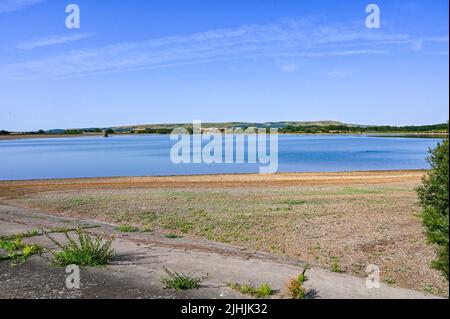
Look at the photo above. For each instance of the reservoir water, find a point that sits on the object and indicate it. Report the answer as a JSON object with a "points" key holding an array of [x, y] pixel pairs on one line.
{"points": [[149, 155]]}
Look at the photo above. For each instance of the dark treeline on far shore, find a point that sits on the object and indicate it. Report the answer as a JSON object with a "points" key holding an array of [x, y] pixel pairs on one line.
{"points": [[287, 129], [438, 128]]}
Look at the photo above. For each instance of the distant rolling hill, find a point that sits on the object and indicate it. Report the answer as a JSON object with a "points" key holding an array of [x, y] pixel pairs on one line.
{"points": [[283, 126], [231, 124]]}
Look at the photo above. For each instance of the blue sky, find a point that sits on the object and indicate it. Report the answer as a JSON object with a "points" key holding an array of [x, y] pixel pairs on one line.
{"points": [[166, 61]]}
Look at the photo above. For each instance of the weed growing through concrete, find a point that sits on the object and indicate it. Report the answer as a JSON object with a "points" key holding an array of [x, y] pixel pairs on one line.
{"points": [[263, 291], [18, 251], [37, 232], [87, 250], [295, 287], [127, 229], [180, 281]]}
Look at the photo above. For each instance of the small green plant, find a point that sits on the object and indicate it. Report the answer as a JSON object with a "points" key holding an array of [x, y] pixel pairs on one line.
{"points": [[87, 250], [37, 232], [390, 281], [30, 233], [335, 267], [57, 230], [127, 229], [180, 281], [295, 288], [263, 291], [172, 236], [16, 250], [429, 289]]}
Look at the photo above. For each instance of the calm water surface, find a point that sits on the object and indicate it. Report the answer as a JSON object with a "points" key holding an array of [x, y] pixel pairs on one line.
{"points": [[149, 155]]}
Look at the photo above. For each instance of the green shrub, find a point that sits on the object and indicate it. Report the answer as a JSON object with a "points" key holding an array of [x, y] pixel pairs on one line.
{"points": [[87, 250], [433, 195]]}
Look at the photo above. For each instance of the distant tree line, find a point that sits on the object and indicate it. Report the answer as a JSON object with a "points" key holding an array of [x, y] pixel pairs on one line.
{"points": [[91, 130], [438, 128], [308, 129], [161, 130], [73, 132], [154, 131]]}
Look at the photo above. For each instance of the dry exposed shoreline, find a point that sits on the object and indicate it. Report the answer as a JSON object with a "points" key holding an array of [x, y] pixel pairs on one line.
{"points": [[221, 180], [346, 220]]}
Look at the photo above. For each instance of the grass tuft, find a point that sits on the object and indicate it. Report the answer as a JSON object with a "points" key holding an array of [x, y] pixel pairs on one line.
{"points": [[87, 250], [180, 281], [127, 229], [263, 291], [335, 267]]}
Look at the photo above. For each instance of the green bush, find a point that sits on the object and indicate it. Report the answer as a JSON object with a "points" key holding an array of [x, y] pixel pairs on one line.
{"points": [[433, 195]]}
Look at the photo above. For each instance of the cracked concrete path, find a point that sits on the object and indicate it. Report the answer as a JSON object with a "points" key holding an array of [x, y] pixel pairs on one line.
{"points": [[137, 267]]}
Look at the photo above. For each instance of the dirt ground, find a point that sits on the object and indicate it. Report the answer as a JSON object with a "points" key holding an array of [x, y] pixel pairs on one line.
{"points": [[335, 221], [136, 268]]}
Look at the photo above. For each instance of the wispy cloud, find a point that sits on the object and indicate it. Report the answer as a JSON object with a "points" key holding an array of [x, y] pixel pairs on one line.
{"points": [[417, 45], [293, 38], [15, 5], [438, 53], [339, 73], [52, 40], [289, 67]]}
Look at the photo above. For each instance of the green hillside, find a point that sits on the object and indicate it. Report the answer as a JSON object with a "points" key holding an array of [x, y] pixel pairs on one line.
{"points": [[309, 127]]}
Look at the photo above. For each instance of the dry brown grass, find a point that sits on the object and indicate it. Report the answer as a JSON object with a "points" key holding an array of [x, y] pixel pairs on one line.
{"points": [[354, 218]]}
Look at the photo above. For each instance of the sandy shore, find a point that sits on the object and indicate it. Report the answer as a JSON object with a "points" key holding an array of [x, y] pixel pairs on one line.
{"points": [[223, 180]]}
